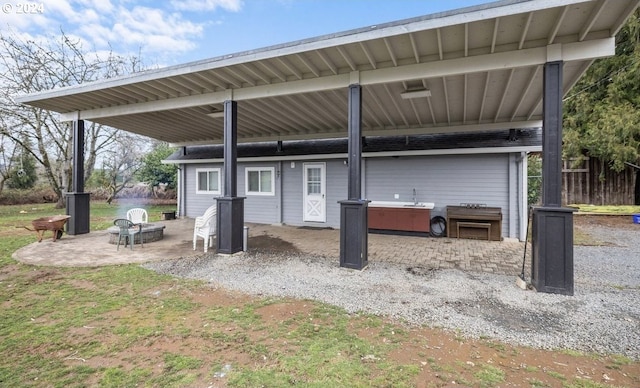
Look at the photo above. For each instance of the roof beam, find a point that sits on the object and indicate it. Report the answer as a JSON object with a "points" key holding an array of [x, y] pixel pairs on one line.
{"points": [[327, 61], [592, 19], [392, 55], [525, 29], [504, 60], [623, 18], [495, 35], [308, 64], [504, 95], [285, 62], [372, 62], [465, 91], [439, 41], [347, 58], [447, 108], [414, 47], [253, 70], [556, 27], [273, 70], [466, 39], [236, 72], [484, 96], [525, 93], [394, 101]]}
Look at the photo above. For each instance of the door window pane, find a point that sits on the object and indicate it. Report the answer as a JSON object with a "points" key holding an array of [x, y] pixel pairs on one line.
{"points": [[314, 184]]}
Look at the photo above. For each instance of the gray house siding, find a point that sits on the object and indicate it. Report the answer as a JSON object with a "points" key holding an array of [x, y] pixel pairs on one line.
{"points": [[264, 209], [445, 169], [293, 188], [196, 204], [443, 180], [490, 179], [261, 209]]}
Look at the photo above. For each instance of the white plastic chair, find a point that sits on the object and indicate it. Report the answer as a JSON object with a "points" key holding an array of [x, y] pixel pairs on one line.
{"points": [[205, 227], [138, 216]]}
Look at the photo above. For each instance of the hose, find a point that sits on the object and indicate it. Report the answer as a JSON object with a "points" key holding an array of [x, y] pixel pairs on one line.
{"points": [[526, 238], [438, 227]]}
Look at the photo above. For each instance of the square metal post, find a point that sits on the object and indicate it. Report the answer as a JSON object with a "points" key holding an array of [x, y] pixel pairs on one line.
{"points": [[353, 212], [230, 215], [552, 225], [78, 207], [77, 201], [354, 234], [552, 250], [230, 225]]}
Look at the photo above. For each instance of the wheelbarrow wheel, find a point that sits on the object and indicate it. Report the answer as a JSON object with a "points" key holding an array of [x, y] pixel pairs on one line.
{"points": [[59, 234]]}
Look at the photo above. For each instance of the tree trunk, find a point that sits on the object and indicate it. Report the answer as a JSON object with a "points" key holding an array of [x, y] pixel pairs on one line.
{"points": [[637, 188]]}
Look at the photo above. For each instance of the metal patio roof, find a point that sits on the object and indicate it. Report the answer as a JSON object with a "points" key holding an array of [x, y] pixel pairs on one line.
{"points": [[478, 68]]}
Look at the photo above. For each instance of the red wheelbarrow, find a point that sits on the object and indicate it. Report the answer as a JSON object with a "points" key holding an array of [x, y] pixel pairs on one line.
{"points": [[52, 223]]}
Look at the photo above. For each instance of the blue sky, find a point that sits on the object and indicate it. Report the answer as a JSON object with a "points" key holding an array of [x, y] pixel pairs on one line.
{"points": [[178, 31]]}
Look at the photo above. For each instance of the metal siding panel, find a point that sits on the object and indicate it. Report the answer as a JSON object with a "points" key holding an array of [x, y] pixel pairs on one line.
{"points": [[336, 190], [443, 180], [337, 176], [261, 209], [292, 193], [196, 204]]}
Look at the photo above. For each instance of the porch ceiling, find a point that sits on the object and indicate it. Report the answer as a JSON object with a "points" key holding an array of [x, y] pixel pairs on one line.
{"points": [[483, 67]]}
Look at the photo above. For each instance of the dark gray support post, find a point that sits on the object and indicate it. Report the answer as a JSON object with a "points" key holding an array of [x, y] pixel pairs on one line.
{"points": [[77, 201], [355, 142], [353, 211], [230, 215], [552, 135], [552, 225]]}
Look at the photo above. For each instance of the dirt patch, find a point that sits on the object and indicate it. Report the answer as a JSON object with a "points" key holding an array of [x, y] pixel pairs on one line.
{"points": [[269, 245], [610, 221]]}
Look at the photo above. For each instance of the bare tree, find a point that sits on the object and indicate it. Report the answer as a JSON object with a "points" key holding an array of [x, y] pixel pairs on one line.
{"points": [[7, 154], [120, 165], [28, 66]]}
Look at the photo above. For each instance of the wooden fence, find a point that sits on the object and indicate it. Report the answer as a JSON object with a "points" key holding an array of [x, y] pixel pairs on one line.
{"points": [[593, 182]]}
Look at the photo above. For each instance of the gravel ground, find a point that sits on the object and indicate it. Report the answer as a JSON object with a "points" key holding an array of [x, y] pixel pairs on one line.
{"points": [[603, 316]]}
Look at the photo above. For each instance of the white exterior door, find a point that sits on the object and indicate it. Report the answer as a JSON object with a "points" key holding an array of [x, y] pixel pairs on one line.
{"points": [[315, 203]]}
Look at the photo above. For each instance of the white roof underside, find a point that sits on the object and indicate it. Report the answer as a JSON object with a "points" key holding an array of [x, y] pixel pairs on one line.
{"points": [[483, 66]]}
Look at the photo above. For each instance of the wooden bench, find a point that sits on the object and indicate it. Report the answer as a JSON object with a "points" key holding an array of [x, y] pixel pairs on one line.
{"points": [[478, 225], [475, 222]]}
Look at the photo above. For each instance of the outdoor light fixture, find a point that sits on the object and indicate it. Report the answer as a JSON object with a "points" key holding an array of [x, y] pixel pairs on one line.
{"points": [[216, 115], [416, 94]]}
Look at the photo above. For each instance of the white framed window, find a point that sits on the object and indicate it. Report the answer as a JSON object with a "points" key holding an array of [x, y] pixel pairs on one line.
{"points": [[207, 181], [259, 181]]}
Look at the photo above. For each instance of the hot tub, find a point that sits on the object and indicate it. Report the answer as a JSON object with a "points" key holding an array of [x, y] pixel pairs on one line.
{"points": [[400, 216]]}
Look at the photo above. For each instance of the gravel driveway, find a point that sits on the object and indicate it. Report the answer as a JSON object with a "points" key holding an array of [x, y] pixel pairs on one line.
{"points": [[603, 316]]}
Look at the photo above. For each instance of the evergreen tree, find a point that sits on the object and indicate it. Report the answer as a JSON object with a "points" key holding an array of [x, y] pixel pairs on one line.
{"points": [[153, 171], [602, 112], [23, 174]]}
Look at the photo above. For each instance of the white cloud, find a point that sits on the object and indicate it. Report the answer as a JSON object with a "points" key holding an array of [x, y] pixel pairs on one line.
{"points": [[156, 29], [206, 5]]}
